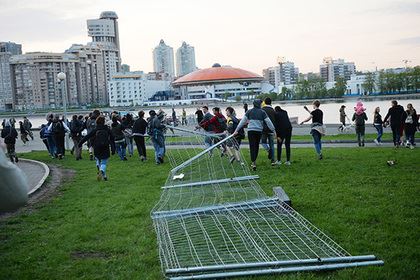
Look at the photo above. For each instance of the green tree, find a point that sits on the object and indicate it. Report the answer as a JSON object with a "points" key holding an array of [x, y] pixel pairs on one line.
{"points": [[226, 95], [340, 87], [369, 84]]}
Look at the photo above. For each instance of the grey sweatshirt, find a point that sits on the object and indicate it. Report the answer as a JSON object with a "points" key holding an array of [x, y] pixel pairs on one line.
{"points": [[256, 117]]}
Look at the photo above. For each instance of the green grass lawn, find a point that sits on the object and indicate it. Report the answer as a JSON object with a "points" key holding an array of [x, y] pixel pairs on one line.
{"points": [[103, 230]]}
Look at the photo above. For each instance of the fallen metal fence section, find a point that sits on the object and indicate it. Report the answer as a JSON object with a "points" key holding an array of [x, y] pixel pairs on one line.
{"points": [[214, 221]]}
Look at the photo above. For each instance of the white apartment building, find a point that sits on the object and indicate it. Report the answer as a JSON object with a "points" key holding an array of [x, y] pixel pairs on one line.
{"points": [[185, 60], [331, 69], [282, 75], [133, 88], [35, 83], [104, 33], [163, 59], [90, 71]]}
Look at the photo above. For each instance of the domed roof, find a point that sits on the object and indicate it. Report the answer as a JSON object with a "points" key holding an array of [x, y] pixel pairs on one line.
{"points": [[217, 73]]}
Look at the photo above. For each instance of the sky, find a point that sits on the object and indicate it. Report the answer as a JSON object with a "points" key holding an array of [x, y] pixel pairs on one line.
{"points": [[248, 34]]}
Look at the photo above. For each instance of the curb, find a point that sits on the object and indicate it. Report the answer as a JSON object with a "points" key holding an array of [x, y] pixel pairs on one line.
{"points": [[44, 177]]}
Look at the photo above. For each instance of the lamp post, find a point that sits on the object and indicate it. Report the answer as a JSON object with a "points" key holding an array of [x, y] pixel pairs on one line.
{"points": [[62, 77]]}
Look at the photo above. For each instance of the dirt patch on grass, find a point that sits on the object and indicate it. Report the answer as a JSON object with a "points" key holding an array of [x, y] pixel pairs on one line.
{"points": [[49, 190], [89, 255]]}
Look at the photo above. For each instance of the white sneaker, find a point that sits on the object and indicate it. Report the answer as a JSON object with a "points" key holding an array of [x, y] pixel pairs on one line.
{"points": [[411, 147], [376, 142], [287, 163], [276, 163]]}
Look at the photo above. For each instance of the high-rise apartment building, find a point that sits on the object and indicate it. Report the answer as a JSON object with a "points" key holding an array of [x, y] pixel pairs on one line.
{"points": [[35, 83], [185, 60], [163, 59], [7, 49], [104, 33], [12, 48], [284, 74], [331, 69], [90, 74]]}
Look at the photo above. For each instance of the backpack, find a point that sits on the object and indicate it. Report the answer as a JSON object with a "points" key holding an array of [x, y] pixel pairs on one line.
{"points": [[222, 123], [58, 128], [101, 138], [76, 127], [149, 127], [359, 121]]}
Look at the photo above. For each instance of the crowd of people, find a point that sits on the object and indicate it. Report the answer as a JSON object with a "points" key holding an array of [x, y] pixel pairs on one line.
{"points": [[402, 123], [107, 134]]}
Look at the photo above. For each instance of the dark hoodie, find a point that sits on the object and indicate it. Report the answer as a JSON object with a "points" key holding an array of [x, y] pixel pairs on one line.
{"points": [[256, 117]]}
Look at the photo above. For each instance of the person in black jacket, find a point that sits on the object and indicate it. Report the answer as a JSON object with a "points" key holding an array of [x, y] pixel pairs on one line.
{"points": [[411, 122], [9, 134], [119, 138], [267, 138], [377, 123], [284, 133], [359, 118], [101, 139], [76, 128], [139, 132], [396, 114]]}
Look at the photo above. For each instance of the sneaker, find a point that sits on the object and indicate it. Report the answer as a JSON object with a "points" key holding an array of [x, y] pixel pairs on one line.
{"points": [[90, 157], [253, 167], [125, 158], [274, 163], [287, 163], [411, 148], [17, 160], [376, 142], [320, 156]]}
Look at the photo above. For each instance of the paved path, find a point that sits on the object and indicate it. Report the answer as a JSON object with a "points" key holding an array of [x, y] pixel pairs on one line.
{"points": [[36, 173]]}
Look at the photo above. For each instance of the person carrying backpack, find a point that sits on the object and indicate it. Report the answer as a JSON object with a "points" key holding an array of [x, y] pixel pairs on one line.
{"points": [[58, 129], [76, 128], [9, 134], [102, 139], [90, 126], [156, 130]]}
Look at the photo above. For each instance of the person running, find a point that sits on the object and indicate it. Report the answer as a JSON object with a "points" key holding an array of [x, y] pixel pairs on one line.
{"points": [[23, 133], [255, 117], [199, 115], [156, 130], [342, 118], [267, 138], [378, 124], [102, 139], [317, 126], [396, 114], [139, 132], [233, 147], [359, 118], [216, 125], [245, 107], [76, 128], [284, 133], [9, 134], [28, 126], [411, 122], [209, 128], [58, 128], [119, 139], [50, 137], [90, 126]]}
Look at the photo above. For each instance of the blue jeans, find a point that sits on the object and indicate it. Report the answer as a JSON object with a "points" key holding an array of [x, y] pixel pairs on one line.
{"points": [[101, 164], [120, 149], [317, 141], [130, 147], [51, 145], [270, 146], [380, 131], [158, 141]]}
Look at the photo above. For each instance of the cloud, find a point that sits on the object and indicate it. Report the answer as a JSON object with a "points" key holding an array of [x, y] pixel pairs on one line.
{"points": [[397, 7], [414, 41]]}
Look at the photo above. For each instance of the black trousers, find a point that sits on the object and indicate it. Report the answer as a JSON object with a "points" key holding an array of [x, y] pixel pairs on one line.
{"points": [[59, 142], [286, 140], [254, 138], [140, 144]]}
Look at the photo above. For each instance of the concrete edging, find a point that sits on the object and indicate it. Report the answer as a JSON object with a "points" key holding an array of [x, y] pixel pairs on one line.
{"points": [[44, 177]]}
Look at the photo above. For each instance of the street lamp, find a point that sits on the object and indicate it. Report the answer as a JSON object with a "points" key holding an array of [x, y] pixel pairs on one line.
{"points": [[62, 77]]}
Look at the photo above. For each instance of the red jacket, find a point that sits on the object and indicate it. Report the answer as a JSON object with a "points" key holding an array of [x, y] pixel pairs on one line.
{"points": [[214, 124]]}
